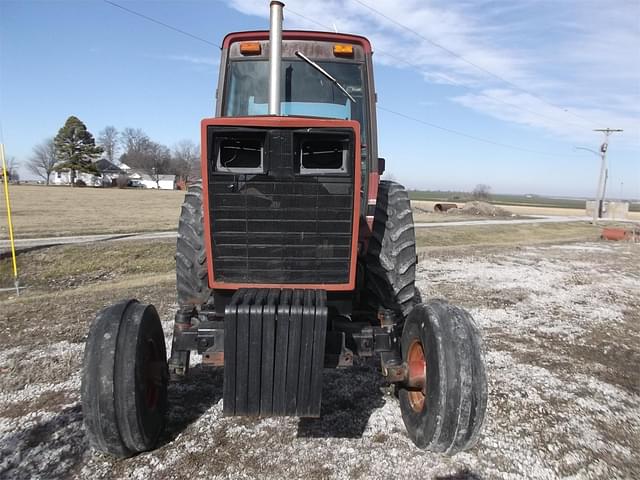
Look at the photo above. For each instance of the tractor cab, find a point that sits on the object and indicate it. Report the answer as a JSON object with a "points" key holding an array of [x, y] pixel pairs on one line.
{"points": [[319, 75]]}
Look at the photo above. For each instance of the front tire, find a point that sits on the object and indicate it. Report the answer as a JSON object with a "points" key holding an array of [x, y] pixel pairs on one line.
{"points": [[192, 278], [391, 255], [444, 402], [124, 379]]}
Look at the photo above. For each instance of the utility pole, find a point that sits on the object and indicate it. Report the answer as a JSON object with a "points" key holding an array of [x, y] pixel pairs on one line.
{"points": [[598, 207]]}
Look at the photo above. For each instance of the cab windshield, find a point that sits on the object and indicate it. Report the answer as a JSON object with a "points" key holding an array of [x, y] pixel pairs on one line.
{"points": [[304, 90]]}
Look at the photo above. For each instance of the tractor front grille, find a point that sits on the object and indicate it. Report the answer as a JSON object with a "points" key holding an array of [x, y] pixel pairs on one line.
{"points": [[285, 231], [277, 222]]}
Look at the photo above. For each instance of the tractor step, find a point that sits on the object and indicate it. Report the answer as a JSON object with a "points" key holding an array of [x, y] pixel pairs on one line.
{"points": [[274, 347]]}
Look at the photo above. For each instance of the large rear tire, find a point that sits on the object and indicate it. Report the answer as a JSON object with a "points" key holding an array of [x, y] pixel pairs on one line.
{"points": [[443, 406], [124, 379], [192, 280], [391, 256]]}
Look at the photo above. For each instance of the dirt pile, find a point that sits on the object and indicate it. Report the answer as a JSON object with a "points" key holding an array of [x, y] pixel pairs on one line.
{"points": [[482, 209]]}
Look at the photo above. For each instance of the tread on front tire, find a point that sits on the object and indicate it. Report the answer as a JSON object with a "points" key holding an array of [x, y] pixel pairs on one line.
{"points": [[391, 256], [192, 277], [447, 413]]}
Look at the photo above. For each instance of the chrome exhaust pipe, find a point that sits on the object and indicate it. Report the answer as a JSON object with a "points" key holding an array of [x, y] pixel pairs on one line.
{"points": [[275, 56]]}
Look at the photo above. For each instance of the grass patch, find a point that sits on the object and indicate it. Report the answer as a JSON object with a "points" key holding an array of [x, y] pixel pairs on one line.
{"points": [[68, 266], [506, 234], [40, 211], [41, 318], [67, 285]]}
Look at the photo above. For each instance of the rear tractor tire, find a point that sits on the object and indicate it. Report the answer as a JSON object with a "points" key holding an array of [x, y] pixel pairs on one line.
{"points": [[124, 379], [391, 256], [444, 398], [192, 280]]}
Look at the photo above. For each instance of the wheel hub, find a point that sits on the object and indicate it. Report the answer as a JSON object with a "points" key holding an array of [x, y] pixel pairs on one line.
{"points": [[416, 375]]}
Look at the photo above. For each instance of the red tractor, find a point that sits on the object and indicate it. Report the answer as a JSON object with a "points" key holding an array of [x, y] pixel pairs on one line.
{"points": [[292, 256]]}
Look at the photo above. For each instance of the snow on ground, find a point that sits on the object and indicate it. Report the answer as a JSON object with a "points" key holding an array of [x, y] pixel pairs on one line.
{"points": [[562, 335]]}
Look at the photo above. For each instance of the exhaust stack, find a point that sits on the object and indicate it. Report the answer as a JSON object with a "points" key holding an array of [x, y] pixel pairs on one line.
{"points": [[275, 56]]}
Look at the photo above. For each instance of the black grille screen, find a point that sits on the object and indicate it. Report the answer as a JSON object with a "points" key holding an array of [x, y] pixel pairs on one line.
{"points": [[280, 226]]}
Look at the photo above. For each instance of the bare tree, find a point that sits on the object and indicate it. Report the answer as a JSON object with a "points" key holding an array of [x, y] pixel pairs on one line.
{"points": [[108, 139], [12, 170], [159, 162], [482, 192], [185, 160], [150, 158], [43, 159], [133, 140]]}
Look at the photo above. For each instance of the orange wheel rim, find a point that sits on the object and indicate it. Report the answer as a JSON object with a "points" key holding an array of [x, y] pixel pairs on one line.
{"points": [[417, 366]]}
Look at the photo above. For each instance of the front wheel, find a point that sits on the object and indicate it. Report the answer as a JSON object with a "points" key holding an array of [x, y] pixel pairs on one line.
{"points": [[444, 398], [124, 379]]}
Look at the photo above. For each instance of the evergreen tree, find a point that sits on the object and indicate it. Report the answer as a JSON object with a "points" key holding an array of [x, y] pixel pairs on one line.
{"points": [[76, 149]]}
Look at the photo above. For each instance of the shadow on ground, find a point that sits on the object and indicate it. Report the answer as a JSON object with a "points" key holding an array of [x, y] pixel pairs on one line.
{"points": [[191, 398], [349, 396], [45, 449]]}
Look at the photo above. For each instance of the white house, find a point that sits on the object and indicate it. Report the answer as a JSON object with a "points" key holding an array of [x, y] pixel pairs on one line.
{"points": [[165, 182], [108, 172], [64, 178]]}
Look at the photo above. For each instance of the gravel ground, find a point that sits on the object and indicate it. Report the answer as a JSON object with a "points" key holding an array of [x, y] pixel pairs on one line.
{"points": [[562, 334]]}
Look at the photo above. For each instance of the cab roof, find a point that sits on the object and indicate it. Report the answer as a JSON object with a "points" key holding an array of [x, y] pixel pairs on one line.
{"points": [[298, 35]]}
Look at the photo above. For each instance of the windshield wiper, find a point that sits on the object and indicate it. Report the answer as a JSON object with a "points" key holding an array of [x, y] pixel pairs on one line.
{"points": [[326, 74]]}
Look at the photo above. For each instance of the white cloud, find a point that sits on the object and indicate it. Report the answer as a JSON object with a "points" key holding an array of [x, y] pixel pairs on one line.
{"points": [[522, 108], [580, 59]]}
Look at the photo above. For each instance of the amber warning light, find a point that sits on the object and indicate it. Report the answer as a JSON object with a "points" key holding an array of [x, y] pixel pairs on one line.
{"points": [[250, 48], [346, 50]]}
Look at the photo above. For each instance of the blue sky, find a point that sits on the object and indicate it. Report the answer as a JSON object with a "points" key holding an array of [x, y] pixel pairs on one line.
{"points": [[558, 69]]}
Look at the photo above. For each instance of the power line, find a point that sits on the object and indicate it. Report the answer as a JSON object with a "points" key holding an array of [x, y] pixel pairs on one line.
{"points": [[464, 59], [419, 69], [483, 94], [424, 122], [433, 125], [158, 22], [463, 134]]}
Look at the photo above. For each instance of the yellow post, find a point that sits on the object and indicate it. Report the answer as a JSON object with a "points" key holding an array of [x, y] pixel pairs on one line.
{"points": [[6, 197]]}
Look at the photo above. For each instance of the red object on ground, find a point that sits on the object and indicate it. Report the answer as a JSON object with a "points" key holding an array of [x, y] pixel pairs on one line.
{"points": [[616, 234]]}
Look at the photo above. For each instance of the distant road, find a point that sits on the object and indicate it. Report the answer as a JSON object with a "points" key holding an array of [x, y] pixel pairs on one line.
{"points": [[29, 243]]}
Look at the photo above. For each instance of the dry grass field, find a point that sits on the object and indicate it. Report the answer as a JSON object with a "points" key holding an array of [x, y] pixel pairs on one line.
{"points": [[40, 211], [507, 235]]}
